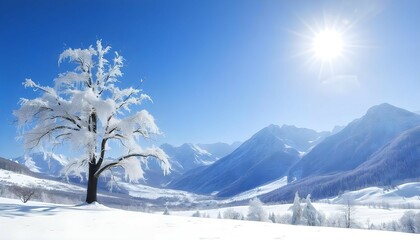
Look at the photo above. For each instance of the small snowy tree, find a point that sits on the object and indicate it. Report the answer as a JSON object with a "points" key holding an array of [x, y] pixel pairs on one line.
{"points": [[196, 214], [86, 110], [232, 214], [166, 212], [310, 213], [297, 210], [349, 212], [219, 216], [272, 217], [410, 222], [256, 211]]}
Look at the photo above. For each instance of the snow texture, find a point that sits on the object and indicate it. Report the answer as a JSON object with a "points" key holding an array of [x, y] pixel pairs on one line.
{"points": [[48, 221]]}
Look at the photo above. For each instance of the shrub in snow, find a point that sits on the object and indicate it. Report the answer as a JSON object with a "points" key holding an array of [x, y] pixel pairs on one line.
{"points": [[256, 211], [410, 222], [166, 212], [272, 217], [232, 214], [87, 110], [196, 214], [284, 219], [393, 226], [336, 220]]}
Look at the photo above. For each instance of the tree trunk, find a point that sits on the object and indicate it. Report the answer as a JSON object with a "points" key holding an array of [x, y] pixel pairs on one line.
{"points": [[92, 186]]}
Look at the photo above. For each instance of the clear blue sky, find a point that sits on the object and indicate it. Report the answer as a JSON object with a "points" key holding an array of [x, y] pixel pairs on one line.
{"points": [[221, 70]]}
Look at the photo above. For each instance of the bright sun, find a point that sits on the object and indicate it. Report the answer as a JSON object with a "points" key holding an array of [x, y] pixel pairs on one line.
{"points": [[327, 45]]}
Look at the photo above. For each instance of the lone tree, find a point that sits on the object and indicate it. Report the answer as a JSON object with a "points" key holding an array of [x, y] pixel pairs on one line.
{"points": [[23, 193], [86, 110]]}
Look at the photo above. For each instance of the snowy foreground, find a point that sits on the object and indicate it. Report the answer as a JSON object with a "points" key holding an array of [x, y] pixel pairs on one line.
{"points": [[36, 220]]}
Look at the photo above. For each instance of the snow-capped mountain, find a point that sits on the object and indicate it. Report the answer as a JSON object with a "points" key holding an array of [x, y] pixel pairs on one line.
{"points": [[219, 149], [266, 156], [354, 144], [188, 156], [379, 149], [184, 158], [50, 164], [12, 166]]}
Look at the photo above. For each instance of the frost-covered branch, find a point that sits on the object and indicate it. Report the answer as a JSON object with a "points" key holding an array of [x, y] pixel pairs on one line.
{"points": [[130, 159]]}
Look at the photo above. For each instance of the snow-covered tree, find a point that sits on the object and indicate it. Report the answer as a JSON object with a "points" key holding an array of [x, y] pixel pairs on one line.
{"points": [[232, 214], [256, 211], [166, 212], [349, 211], [310, 214], [410, 222], [297, 210], [219, 216], [86, 110], [272, 217]]}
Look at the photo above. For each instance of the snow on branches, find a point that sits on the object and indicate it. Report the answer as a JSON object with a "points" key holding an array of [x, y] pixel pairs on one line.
{"points": [[86, 110]]}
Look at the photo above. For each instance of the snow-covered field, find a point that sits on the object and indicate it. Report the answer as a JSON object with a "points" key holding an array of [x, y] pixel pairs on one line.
{"points": [[11, 178], [361, 214], [8, 178], [143, 191], [258, 191], [36, 220], [403, 196], [372, 205]]}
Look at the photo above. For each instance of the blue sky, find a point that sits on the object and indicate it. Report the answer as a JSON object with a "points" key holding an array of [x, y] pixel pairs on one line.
{"points": [[221, 70]]}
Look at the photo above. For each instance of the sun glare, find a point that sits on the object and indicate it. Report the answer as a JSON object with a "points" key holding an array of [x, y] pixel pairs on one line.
{"points": [[327, 45]]}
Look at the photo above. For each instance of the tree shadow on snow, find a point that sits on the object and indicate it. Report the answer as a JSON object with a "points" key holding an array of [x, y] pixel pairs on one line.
{"points": [[11, 210]]}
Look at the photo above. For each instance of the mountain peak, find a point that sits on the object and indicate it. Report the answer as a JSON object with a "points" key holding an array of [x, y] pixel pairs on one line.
{"points": [[386, 109]]}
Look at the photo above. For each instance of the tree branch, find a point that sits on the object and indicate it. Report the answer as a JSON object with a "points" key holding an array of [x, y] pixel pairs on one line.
{"points": [[112, 164]]}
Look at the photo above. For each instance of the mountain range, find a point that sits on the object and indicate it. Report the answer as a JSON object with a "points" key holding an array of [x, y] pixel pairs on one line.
{"points": [[184, 158], [381, 148], [266, 156]]}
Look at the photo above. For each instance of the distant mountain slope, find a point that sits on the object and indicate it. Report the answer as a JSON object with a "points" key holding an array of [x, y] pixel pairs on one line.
{"points": [[354, 144], [219, 150], [265, 157], [48, 164], [184, 158], [396, 162], [405, 195], [12, 166]]}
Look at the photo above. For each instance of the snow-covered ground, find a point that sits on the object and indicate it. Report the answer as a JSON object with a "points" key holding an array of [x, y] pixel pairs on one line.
{"points": [[143, 191], [361, 214], [11, 178], [175, 197], [372, 205], [36, 220], [258, 191], [404, 195]]}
